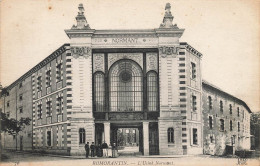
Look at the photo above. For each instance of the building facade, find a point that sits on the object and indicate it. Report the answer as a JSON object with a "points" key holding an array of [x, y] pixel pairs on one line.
{"points": [[105, 81]]}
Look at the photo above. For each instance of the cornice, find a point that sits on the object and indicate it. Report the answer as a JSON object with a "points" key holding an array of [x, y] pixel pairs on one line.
{"points": [[190, 49], [167, 32]]}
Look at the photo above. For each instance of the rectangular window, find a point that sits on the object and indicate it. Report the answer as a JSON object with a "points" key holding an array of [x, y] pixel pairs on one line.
{"points": [[49, 138], [238, 126], [230, 125], [59, 105], [211, 139], [8, 104], [48, 78], [20, 85], [195, 136], [21, 109], [39, 83], [39, 111], [194, 103], [210, 102], [210, 122], [48, 108], [237, 111], [170, 135], [21, 97], [193, 70], [230, 109], [59, 72], [222, 125], [221, 106]]}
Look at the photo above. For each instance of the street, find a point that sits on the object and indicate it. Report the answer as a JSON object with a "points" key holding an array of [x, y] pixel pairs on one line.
{"points": [[18, 158]]}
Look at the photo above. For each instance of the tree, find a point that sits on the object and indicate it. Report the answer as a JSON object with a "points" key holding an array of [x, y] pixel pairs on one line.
{"points": [[13, 126]]}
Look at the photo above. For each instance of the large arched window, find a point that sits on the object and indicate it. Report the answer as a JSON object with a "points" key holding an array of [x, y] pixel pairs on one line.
{"points": [[81, 136], [170, 133], [99, 93], [125, 86], [152, 91]]}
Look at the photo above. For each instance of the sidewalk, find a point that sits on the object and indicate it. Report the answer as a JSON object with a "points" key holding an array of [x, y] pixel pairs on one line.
{"points": [[123, 156]]}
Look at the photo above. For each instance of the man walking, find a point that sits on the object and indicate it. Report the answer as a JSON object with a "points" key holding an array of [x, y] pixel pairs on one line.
{"points": [[87, 149]]}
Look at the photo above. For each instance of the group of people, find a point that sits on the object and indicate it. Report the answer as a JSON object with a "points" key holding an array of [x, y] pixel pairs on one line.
{"points": [[100, 150]]}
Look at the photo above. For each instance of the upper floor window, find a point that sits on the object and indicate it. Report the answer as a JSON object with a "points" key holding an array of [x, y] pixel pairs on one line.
{"points": [[39, 111], [193, 70], [210, 122], [170, 135], [211, 139], [194, 103], [221, 106], [238, 126], [210, 102], [21, 109], [59, 72], [20, 84], [230, 125], [195, 136], [230, 109], [39, 83], [48, 78], [222, 127], [81, 136], [238, 111], [48, 108], [59, 104], [8, 104], [20, 97]]}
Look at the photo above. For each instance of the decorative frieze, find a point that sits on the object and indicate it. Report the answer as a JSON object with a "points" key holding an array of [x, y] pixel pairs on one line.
{"points": [[151, 62], [98, 62], [168, 50], [84, 52]]}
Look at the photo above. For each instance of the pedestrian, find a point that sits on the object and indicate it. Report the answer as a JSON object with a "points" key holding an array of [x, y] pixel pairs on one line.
{"points": [[92, 149], [104, 147], [99, 151], [87, 149], [113, 150]]}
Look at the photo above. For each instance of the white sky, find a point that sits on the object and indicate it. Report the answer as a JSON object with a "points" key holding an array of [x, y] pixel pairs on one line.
{"points": [[227, 33]]}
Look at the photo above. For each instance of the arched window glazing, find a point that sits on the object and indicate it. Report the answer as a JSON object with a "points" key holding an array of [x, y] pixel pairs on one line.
{"points": [[99, 92], [152, 91], [125, 86]]}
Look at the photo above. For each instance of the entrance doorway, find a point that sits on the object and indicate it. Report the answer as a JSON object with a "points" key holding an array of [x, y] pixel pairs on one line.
{"points": [[128, 141], [128, 137]]}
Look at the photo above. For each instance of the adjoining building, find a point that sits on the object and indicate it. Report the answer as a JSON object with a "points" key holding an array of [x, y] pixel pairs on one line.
{"points": [[105, 82]]}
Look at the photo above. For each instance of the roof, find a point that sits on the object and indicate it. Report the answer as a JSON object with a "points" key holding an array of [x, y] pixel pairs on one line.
{"points": [[213, 87], [49, 58]]}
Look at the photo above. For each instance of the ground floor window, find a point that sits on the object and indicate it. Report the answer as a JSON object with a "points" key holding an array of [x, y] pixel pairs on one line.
{"points": [[48, 138], [170, 135], [195, 136], [81, 136]]}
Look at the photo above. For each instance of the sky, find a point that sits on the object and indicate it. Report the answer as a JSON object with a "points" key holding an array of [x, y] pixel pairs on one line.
{"points": [[226, 32]]}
